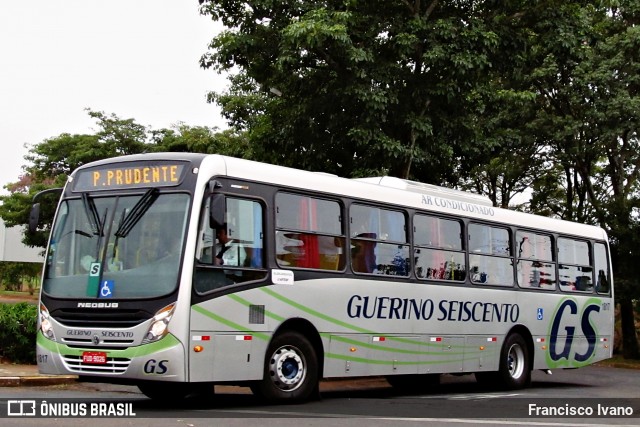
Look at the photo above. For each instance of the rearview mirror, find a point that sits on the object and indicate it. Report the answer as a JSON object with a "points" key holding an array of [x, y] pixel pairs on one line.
{"points": [[217, 208], [34, 217]]}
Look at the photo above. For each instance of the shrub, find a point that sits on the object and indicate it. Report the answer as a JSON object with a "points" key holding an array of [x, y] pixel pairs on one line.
{"points": [[18, 324]]}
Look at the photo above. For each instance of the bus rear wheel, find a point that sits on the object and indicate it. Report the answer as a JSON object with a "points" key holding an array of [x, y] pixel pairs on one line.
{"points": [[515, 367], [290, 371]]}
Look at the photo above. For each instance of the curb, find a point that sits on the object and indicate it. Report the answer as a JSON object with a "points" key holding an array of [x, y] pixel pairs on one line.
{"points": [[30, 381]]}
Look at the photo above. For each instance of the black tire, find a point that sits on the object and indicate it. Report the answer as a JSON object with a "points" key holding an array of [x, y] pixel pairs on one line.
{"points": [[290, 370], [515, 366], [414, 383]]}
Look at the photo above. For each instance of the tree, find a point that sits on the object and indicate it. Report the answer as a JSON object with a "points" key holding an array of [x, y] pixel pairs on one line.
{"points": [[14, 274], [614, 79], [200, 139], [342, 87]]}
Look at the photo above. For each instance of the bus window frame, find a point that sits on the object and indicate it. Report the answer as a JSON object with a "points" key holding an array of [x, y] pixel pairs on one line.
{"points": [[607, 264], [365, 240], [440, 249], [199, 265], [491, 255], [299, 232], [553, 259], [591, 265]]}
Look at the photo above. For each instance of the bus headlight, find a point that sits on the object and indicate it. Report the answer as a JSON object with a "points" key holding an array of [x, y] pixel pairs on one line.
{"points": [[45, 324], [159, 324]]}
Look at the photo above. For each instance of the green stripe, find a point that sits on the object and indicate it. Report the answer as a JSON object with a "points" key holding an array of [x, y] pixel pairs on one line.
{"points": [[128, 353], [350, 358], [229, 323], [314, 312]]}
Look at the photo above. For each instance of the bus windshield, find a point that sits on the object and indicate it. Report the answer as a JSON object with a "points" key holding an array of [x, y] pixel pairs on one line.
{"points": [[116, 246]]}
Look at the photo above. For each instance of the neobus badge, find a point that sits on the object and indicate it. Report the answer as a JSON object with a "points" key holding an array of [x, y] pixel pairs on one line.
{"points": [[120, 177]]}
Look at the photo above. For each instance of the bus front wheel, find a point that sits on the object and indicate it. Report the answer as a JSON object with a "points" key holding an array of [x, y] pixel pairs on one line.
{"points": [[515, 366], [290, 371]]}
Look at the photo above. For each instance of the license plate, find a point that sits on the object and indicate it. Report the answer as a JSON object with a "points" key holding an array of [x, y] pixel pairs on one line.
{"points": [[94, 357]]}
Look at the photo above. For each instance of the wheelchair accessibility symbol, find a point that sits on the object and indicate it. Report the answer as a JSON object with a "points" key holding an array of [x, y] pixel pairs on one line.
{"points": [[106, 289]]}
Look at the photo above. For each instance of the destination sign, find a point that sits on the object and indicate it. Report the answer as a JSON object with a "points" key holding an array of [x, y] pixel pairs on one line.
{"points": [[112, 177]]}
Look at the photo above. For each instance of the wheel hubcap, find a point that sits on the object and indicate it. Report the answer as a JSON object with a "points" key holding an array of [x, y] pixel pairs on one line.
{"points": [[515, 361], [287, 368]]}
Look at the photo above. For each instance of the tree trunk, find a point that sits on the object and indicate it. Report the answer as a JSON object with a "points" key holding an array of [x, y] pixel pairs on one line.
{"points": [[629, 338]]}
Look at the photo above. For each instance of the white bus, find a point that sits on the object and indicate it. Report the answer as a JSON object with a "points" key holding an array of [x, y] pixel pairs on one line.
{"points": [[178, 271]]}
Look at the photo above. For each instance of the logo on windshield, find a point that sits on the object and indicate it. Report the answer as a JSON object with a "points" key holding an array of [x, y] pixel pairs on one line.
{"points": [[106, 289]]}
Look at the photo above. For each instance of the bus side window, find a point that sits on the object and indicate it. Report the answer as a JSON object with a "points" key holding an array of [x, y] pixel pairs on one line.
{"points": [[309, 233], [490, 255], [601, 264], [379, 243], [438, 252], [535, 264], [204, 251], [574, 265], [235, 254]]}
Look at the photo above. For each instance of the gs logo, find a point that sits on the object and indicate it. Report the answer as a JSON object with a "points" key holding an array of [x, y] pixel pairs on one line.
{"points": [[154, 367], [565, 322]]}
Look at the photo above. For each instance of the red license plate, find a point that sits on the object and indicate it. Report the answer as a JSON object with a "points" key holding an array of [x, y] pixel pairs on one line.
{"points": [[94, 357]]}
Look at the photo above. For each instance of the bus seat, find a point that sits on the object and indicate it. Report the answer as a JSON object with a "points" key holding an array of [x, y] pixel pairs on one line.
{"points": [[329, 261]]}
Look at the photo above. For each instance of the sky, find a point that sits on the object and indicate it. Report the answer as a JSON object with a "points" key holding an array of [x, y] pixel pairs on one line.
{"points": [[137, 59]]}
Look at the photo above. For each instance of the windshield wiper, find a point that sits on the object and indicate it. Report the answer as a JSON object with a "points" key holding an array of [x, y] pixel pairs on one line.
{"points": [[114, 253], [93, 215], [137, 212]]}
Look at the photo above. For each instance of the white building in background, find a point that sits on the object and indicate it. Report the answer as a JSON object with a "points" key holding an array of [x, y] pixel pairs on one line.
{"points": [[12, 248]]}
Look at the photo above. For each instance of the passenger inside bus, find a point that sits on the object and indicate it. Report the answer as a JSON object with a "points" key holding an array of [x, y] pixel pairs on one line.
{"points": [[209, 279], [222, 244], [363, 257], [583, 283], [602, 285]]}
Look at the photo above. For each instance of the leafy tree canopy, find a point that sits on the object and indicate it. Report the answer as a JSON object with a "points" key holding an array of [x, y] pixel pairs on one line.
{"points": [[358, 87]]}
